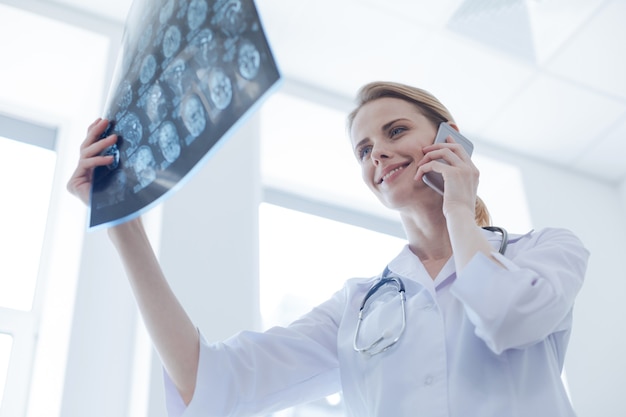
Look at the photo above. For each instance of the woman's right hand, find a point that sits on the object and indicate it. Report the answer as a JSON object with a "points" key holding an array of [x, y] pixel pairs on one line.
{"points": [[90, 158]]}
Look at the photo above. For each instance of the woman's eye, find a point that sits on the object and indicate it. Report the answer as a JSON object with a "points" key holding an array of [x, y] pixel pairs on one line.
{"points": [[363, 152], [396, 131]]}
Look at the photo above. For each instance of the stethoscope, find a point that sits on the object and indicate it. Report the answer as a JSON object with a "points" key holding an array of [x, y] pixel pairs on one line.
{"points": [[377, 346]]}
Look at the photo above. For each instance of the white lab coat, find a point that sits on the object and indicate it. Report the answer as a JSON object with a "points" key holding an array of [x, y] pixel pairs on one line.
{"points": [[484, 342]]}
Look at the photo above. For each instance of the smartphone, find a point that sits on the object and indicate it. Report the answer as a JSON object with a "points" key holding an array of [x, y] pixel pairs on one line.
{"points": [[434, 179]]}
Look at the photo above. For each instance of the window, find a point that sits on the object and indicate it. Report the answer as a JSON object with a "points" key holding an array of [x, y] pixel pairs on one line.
{"points": [[26, 193], [305, 258], [27, 170], [53, 72]]}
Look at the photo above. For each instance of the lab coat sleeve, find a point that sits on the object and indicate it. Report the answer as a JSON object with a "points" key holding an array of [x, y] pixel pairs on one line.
{"points": [[531, 297], [255, 373]]}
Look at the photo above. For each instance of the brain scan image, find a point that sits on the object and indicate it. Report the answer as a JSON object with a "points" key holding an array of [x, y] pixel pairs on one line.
{"points": [[117, 186], [144, 166], [175, 77], [248, 60], [193, 115], [197, 13], [168, 141], [156, 104], [231, 17], [130, 130], [206, 48], [171, 41], [189, 72], [148, 68], [220, 88], [124, 95]]}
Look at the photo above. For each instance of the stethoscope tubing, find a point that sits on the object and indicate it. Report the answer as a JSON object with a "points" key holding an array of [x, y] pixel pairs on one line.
{"points": [[385, 279]]}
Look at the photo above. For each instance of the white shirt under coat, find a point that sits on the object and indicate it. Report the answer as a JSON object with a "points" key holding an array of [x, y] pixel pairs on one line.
{"points": [[485, 342]]}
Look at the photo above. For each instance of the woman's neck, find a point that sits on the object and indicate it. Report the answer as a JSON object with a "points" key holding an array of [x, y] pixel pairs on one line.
{"points": [[428, 239]]}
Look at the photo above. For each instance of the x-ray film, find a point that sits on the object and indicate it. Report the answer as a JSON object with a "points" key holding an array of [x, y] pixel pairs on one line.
{"points": [[188, 73]]}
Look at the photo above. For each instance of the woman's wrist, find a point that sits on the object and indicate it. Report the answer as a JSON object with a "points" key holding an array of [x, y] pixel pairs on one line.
{"points": [[125, 230], [460, 215]]}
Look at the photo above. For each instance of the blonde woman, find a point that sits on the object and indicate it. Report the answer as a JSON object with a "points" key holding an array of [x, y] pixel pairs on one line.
{"points": [[457, 325]]}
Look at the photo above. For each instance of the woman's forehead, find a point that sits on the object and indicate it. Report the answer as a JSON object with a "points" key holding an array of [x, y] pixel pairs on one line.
{"points": [[377, 113]]}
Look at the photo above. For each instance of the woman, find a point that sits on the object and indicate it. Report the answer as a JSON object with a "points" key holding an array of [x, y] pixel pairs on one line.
{"points": [[480, 333]]}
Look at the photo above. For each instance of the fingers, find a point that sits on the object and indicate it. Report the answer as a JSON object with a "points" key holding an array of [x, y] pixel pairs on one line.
{"points": [[90, 149], [455, 147], [94, 123], [447, 156], [93, 145], [94, 131], [90, 162], [91, 157]]}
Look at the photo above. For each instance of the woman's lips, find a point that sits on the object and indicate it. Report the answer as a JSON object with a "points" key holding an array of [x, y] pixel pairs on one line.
{"points": [[390, 171]]}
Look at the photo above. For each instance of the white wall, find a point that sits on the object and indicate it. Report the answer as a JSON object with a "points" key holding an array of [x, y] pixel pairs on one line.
{"points": [[622, 190], [596, 212]]}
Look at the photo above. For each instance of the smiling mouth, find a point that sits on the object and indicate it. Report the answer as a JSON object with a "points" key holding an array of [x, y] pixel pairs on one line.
{"points": [[390, 173]]}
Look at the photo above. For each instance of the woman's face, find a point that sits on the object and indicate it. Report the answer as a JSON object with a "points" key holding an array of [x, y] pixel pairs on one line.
{"points": [[388, 136]]}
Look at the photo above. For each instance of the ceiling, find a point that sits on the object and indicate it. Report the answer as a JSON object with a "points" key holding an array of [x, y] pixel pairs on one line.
{"points": [[544, 78]]}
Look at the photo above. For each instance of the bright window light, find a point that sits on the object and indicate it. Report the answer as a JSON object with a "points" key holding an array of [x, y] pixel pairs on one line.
{"points": [[306, 258], [28, 171]]}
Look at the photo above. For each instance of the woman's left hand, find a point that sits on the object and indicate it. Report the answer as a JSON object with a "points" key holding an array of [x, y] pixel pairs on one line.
{"points": [[459, 173]]}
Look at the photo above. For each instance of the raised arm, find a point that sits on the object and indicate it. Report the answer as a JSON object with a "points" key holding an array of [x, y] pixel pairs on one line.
{"points": [[173, 333], [459, 202]]}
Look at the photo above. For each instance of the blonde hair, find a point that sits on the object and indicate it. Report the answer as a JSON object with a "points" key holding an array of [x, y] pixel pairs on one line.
{"points": [[427, 104]]}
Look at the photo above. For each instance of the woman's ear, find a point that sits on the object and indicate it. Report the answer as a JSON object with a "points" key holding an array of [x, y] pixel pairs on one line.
{"points": [[454, 126]]}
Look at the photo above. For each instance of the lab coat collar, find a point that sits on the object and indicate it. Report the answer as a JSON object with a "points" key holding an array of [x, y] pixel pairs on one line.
{"points": [[409, 267]]}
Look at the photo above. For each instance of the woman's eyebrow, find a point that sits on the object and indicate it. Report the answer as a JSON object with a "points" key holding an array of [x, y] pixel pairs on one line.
{"points": [[383, 129], [361, 142], [386, 126]]}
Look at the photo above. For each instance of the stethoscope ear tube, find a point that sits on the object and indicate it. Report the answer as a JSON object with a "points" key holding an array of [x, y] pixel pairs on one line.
{"points": [[382, 281], [504, 241]]}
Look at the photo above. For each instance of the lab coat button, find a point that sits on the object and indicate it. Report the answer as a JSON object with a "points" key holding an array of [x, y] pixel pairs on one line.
{"points": [[428, 380]]}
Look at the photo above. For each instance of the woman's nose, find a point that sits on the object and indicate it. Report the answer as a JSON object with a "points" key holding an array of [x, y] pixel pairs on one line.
{"points": [[380, 152]]}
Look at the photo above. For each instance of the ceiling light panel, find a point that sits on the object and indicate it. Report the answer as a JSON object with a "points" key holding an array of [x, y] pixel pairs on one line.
{"points": [[596, 56], [553, 120]]}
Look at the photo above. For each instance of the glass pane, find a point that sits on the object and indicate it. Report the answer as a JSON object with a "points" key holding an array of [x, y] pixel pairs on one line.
{"points": [[304, 259], [26, 173], [6, 342]]}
